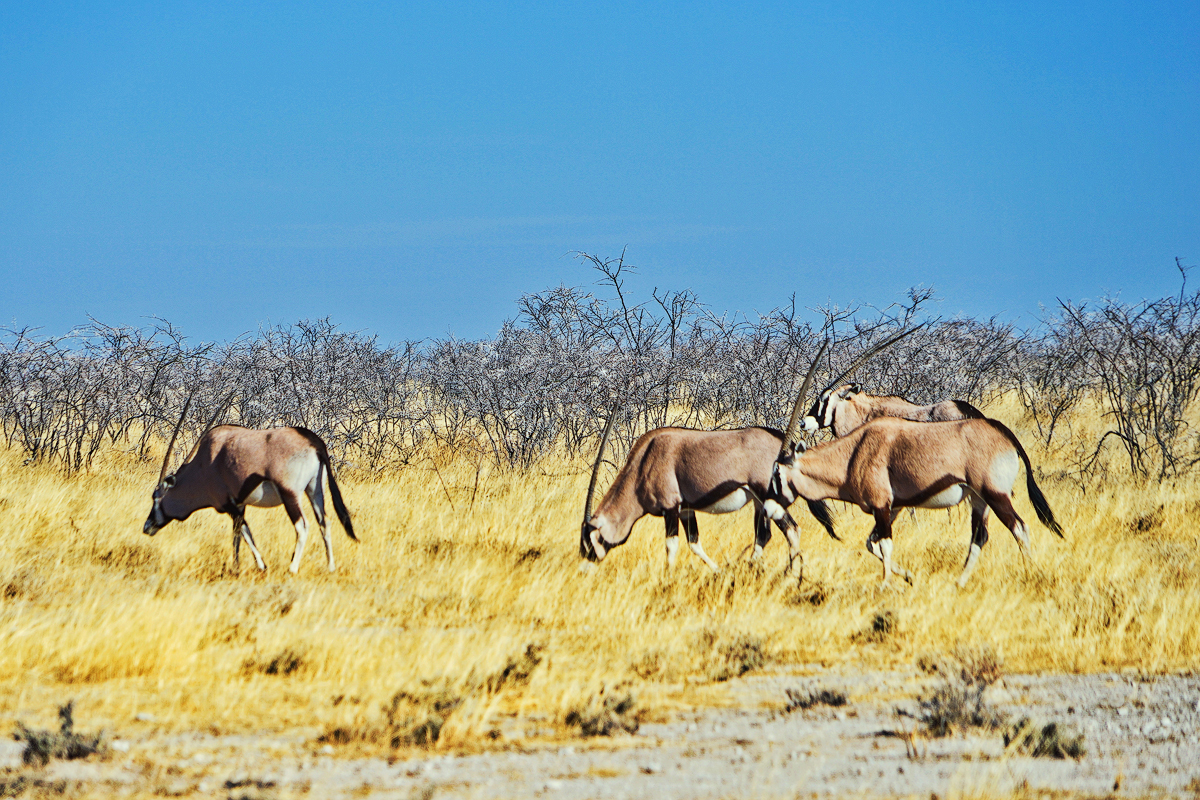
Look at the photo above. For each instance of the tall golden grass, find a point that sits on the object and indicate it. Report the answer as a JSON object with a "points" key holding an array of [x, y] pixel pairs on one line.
{"points": [[454, 580]]}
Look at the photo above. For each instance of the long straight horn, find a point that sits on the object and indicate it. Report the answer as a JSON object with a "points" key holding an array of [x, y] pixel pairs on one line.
{"points": [[800, 398], [208, 427], [591, 492], [866, 355], [162, 473]]}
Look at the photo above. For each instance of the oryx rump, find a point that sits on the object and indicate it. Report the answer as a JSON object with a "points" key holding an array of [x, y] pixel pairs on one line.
{"points": [[889, 464], [232, 467]]}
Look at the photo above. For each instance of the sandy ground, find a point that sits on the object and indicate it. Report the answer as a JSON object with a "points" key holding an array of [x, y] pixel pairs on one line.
{"points": [[1142, 737]]}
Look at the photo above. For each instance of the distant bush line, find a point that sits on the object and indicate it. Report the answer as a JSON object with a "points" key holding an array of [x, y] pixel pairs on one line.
{"points": [[549, 377]]}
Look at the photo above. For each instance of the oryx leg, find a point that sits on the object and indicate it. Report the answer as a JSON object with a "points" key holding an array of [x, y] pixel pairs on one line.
{"points": [[292, 503], [791, 532], [671, 519], [879, 544], [242, 531], [316, 498], [237, 545], [762, 533], [693, 537], [1002, 505], [979, 536]]}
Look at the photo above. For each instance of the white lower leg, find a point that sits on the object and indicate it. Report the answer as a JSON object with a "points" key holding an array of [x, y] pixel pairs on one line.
{"points": [[249, 539], [972, 557], [1022, 535], [699, 551], [328, 539], [793, 540], [301, 540], [885, 555], [672, 550]]}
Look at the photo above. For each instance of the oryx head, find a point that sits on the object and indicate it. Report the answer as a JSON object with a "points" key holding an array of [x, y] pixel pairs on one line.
{"points": [[780, 491], [824, 408], [590, 545], [158, 518]]}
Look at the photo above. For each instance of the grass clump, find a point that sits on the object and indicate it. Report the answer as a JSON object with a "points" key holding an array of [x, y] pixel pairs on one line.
{"points": [[736, 657], [1045, 739], [65, 743], [605, 716], [884, 624], [411, 719], [286, 662], [517, 670], [799, 701], [957, 704]]}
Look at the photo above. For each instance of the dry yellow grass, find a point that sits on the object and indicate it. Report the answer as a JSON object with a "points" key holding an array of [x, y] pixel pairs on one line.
{"points": [[444, 597]]}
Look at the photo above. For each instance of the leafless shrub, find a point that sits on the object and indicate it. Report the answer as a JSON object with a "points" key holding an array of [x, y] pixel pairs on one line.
{"points": [[956, 706], [957, 703], [551, 375], [65, 743], [1144, 360]]}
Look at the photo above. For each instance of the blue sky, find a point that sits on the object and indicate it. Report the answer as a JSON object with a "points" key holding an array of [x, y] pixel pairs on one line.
{"points": [[412, 170]]}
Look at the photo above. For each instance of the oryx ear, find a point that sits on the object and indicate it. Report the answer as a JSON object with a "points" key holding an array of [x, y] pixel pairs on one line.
{"points": [[799, 447], [855, 388]]}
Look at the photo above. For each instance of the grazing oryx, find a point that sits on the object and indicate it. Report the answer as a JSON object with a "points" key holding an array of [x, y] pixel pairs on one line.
{"points": [[673, 473], [889, 464], [232, 467], [846, 407]]}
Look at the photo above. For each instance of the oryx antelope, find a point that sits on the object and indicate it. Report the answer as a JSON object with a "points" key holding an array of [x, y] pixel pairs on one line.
{"points": [[232, 467], [889, 464], [846, 407], [673, 473]]}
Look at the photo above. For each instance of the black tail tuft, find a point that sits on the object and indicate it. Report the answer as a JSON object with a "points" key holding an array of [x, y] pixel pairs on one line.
{"points": [[1040, 505], [335, 494], [820, 512], [340, 507]]}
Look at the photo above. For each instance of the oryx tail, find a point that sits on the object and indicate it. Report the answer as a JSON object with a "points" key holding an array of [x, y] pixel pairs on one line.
{"points": [[1038, 500], [335, 494]]}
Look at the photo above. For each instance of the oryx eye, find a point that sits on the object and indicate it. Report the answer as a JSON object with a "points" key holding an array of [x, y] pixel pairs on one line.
{"points": [[169, 482]]}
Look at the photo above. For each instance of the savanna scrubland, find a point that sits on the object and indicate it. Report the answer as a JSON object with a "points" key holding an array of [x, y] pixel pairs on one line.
{"points": [[465, 464]]}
